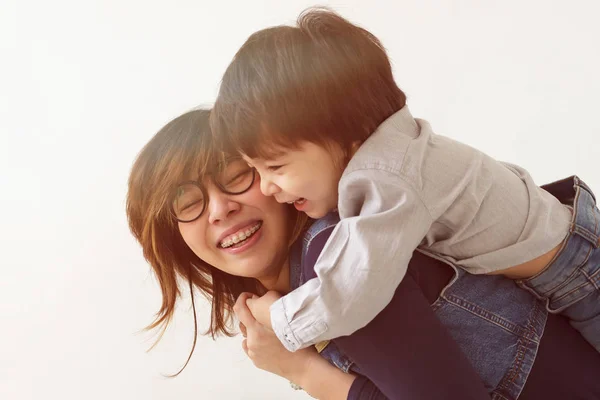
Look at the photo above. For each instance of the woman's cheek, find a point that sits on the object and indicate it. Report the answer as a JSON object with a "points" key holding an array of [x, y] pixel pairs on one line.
{"points": [[191, 238], [254, 198]]}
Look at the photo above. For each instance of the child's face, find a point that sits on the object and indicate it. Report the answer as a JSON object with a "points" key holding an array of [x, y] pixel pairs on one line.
{"points": [[307, 177]]}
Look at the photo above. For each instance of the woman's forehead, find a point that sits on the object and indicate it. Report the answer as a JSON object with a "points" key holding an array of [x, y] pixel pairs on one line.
{"points": [[206, 166]]}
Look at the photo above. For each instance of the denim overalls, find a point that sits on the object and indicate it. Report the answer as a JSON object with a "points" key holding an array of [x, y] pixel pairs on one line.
{"points": [[570, 284], [496, 324]]}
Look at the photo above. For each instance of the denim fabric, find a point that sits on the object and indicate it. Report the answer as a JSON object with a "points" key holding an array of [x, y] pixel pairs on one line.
{"points": [[570, 284], [509, 323], [299, 256], [497, 325], [406, 187]]}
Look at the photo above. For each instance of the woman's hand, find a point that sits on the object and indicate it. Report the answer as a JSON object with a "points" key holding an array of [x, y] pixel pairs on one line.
{"points": [[304, 367], [264, 348], [260, 307]]}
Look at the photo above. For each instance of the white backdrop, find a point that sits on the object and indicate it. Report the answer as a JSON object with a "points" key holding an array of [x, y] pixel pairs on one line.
{"points": [[85, 84]]}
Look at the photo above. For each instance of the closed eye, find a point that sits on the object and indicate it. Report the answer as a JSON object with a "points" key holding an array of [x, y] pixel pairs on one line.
{"points": [[274, 168], [238, 177], [190, 205]]}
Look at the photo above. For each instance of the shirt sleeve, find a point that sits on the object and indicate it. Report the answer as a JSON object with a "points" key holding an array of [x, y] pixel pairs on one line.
{"points": [[383, 220]]}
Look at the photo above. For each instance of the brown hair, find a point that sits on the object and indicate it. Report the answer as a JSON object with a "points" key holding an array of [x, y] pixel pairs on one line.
{"points": [[322, 80], [182, 147]]}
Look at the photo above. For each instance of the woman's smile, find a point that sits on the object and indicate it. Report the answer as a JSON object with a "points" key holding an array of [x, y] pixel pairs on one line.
{"points": [[242, 239]]}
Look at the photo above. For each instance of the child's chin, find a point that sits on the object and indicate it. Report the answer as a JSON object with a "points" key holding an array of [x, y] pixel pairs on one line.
{"points": [[315, 214]]}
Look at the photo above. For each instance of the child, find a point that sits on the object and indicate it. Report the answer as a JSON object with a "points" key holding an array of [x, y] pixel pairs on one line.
{"points": [[316, 111]]}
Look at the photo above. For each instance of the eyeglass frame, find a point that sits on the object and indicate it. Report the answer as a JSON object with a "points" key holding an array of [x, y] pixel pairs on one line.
{"points": [[205, 194]]}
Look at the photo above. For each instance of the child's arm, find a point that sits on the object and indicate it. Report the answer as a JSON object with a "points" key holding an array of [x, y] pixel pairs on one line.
{"points": [[393, 351], [306, 368], [362, 263]]}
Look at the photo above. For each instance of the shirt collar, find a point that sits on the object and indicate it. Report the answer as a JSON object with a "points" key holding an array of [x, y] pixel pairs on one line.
{"points": [[402, 121]]}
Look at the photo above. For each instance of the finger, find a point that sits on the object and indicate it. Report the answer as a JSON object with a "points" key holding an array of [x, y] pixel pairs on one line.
{"points": [[272, 295], [241, 300], [245, 347], [248, 352], [243, 330], [243, 313], [250, 305], [253, 307]]}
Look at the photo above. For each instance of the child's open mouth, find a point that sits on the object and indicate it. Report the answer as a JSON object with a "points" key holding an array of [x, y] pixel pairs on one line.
{"points": [[299, 201], [299, 204]]}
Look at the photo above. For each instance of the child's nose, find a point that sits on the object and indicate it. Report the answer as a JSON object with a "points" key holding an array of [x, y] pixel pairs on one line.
{"points": [[268, 188]]}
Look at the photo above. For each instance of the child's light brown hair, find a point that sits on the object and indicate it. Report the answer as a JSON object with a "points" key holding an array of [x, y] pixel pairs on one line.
{"points": [[180, 151], [323, 80]]}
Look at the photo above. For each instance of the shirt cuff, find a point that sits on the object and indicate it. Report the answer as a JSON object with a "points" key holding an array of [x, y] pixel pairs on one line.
{"points": [[281, 327]]}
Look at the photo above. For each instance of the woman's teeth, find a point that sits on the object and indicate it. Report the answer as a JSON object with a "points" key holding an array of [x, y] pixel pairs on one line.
{"points": [[239, 236]]}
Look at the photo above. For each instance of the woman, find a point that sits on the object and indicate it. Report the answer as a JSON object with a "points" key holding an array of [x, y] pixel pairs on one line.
{"points": [[201, 216]]}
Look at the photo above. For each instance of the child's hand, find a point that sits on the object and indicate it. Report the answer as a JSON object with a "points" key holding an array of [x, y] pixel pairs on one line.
{"points": [[264, 348], [260, 307]]}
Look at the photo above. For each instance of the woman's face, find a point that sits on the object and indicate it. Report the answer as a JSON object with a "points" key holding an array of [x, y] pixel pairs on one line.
{"points": [[245, 234]]}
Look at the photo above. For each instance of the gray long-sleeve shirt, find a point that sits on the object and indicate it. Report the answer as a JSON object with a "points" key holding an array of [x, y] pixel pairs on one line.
{"points": [[407, 187]]}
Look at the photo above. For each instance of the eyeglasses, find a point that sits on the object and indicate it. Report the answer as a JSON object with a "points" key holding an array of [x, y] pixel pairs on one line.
{"points": [[234, 176]]}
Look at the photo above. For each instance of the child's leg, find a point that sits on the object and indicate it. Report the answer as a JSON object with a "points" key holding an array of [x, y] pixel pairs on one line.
{"points": [[571, 282]]}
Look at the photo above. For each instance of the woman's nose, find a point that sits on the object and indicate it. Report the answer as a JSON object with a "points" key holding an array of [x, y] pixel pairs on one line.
{"points": [[220, 205]]}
